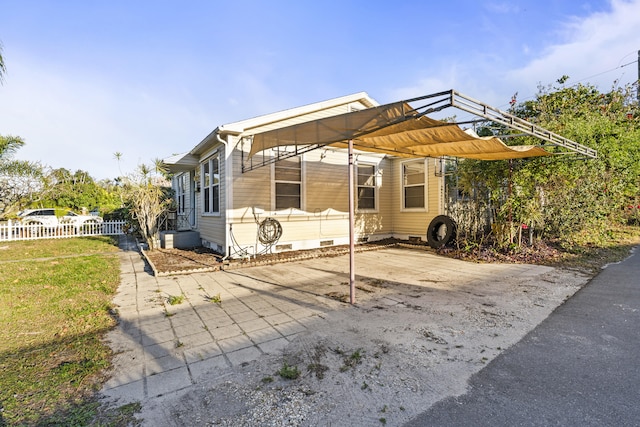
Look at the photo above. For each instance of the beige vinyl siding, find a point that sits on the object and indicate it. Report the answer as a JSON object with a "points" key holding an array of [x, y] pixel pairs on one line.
{"points": [[326, 178], [325, 213], [251, 192], [386, 190], [212, 227], [251, 189], [325, 205]]}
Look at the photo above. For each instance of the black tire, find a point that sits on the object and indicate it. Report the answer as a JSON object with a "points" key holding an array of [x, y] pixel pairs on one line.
{"points": [[441, 231]]}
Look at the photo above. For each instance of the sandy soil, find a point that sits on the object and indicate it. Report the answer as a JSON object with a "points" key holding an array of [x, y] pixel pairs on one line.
{"points": [[382, 362]]}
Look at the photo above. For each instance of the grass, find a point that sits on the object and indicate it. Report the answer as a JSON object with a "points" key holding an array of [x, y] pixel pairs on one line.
{"points": [[593, 256], [175, 299], [588, 255], [289, 372], [55, 298], [47, 248], [350, 361], [215, 299]]}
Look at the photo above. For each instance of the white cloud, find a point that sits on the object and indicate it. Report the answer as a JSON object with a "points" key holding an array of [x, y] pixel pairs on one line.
{"points": [[592, 51]]}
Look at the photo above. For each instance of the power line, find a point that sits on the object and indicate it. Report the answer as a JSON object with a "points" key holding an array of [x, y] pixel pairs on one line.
{"points": [[605, 72], [587, 78]]}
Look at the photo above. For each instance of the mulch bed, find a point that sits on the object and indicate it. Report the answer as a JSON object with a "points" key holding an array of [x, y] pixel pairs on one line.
{"points": [[166, 262]]}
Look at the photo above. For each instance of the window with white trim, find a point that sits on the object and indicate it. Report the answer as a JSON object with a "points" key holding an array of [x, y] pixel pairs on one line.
{"points": [[413, 185], [211, 186], [366, 187], [181, 192], [288, 183]]}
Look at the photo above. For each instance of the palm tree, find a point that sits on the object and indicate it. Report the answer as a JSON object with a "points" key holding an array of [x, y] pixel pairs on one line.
{"points": [[3, 69], [9, 145]]}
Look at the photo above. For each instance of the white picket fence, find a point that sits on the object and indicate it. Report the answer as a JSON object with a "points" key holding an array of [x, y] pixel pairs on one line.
{"points": [[15, 230]]}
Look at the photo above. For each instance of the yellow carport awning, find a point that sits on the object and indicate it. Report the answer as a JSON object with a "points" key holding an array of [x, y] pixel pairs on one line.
{"points": [[425, 137], [396, 129]]}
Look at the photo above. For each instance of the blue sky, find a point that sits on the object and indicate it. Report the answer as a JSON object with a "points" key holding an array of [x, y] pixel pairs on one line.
{"points": [[149, 79]]}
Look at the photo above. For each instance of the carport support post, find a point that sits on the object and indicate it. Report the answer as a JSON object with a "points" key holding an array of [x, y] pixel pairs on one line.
{"points": [[352, 262]]}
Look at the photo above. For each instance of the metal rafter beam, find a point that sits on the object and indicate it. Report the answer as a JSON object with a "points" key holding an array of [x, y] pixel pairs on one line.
{"points": [[480, 109], [249, 164], [434, 103]]}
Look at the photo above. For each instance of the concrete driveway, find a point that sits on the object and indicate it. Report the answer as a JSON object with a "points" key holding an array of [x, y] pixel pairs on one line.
{"points": [[221, 321]]}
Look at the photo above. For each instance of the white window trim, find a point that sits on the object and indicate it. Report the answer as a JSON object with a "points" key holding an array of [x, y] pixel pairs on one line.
{"points": [[303, 170], [426, 187], [376, 186], [203, 188]]}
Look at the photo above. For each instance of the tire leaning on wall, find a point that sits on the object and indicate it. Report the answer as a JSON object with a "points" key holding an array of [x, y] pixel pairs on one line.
{"points": [[441, 231]]}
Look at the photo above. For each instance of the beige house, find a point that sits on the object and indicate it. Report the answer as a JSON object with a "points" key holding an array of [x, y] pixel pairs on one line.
{"points": [[280, 182], [306, 194]]}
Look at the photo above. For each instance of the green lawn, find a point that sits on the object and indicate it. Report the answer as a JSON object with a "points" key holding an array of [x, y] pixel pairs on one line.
{"points": [[55, 297]]}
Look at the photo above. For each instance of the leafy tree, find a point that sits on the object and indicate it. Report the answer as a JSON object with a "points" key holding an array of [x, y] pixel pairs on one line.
{"points": [[28, 184], [80, 191], [567, 198], [21, 182], [147, 197]]}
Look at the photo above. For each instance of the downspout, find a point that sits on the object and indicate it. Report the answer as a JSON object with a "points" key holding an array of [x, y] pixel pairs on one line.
{"points": [[228, 205]]}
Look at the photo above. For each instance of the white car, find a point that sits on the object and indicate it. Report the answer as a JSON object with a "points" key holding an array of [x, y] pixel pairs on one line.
{"points": [[47, 217]]}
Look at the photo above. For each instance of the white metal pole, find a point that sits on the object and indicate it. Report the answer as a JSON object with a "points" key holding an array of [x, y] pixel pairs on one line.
{"points": [[352, 263]]}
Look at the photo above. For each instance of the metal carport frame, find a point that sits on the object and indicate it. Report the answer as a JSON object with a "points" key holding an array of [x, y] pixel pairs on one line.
{"points": [[398, 129]]}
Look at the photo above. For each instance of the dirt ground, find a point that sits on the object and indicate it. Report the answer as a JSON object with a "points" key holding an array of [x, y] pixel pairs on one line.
{"points": [[401, 349]]}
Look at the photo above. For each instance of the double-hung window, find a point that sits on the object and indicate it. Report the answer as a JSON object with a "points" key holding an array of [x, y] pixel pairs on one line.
{"points": [[366, 187], [288, 183], [211, 186], [414, 185]]}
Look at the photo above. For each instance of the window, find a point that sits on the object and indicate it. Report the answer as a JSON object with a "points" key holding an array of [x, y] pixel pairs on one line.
{"points": [[288, 183], [211, 185], [181, 192], [366, 187], [413, 185]]}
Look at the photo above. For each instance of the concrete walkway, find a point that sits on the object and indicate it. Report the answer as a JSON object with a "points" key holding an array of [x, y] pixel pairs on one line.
{"points": [[163, 348], [227, 319]]}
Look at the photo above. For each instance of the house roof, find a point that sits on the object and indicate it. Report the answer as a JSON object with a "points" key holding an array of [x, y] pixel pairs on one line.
{"points": [[181, 162]]}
